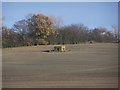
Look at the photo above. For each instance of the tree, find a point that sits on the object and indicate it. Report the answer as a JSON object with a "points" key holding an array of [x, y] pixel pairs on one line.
{"points": [[74, 33], [40, 27], [9, 38], [57, 22], [22, 29], [1, 31], [102, 35], [34, 29], [116, 33]]}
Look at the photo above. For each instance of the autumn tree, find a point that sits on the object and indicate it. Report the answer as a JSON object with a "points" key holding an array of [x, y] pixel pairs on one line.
{"points": [[40, 27], [34, 29]]}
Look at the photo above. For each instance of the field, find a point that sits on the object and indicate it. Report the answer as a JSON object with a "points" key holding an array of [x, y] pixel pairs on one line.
{"points": [[81, 66]]}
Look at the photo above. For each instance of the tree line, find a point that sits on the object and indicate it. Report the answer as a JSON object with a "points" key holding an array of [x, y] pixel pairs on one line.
{"points": [[39, 29]]}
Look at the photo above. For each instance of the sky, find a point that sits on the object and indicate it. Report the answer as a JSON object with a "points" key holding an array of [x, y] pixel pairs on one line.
{"points": [[91, 14], [60, 0]]}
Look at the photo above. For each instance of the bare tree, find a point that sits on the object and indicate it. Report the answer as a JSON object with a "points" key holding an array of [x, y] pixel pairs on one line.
{"points": [[57, 21], [116, 32]]}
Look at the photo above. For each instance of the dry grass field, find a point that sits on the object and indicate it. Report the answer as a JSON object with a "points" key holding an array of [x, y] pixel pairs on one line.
{"points": [[81, 66]]}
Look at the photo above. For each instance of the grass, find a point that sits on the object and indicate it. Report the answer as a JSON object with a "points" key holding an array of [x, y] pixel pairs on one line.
{"points": [[82, 65]]}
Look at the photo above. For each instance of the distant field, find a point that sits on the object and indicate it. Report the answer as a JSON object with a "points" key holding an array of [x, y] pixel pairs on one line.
{"points": [[81, 66]]}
